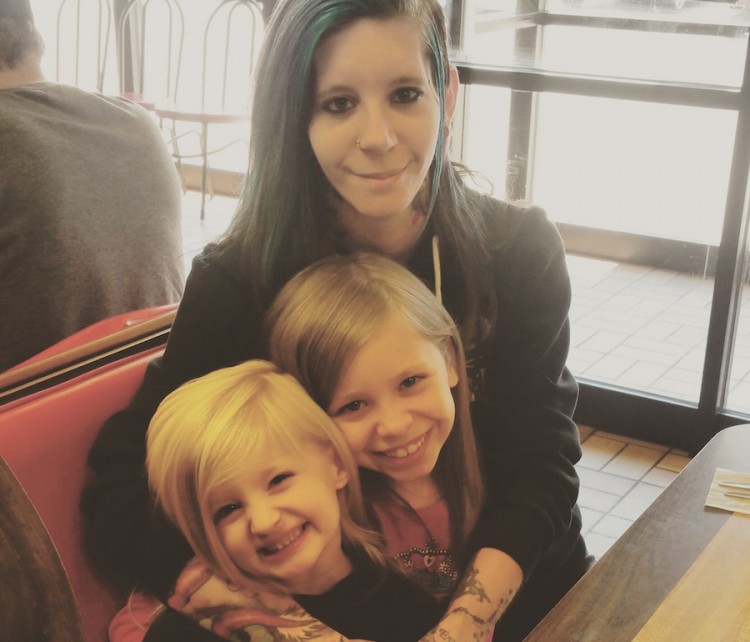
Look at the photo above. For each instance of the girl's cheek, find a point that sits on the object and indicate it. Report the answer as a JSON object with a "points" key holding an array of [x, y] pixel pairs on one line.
{"points": [[355, 439]]}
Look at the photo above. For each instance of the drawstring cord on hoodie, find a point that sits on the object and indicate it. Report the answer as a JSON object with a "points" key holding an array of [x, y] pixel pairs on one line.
{"points": [[436, 269]]}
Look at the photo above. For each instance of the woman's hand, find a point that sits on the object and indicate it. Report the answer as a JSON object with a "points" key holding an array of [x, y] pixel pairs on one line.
{"points": [[224, 609], [489, 584]]}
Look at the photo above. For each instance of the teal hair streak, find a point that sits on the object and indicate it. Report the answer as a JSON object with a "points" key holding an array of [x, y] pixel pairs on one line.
{"points": [[314, 28], [440, 89]]}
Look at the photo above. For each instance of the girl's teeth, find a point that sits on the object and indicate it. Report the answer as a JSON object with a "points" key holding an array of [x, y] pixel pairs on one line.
{"points": [[282, 545], [400, 453]]}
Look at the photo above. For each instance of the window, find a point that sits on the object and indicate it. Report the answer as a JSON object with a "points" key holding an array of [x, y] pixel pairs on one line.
{"points": [[625, 120]]}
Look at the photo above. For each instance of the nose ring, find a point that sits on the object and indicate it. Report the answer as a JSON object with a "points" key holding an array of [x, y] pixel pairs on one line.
{"points": [[359, 143]]}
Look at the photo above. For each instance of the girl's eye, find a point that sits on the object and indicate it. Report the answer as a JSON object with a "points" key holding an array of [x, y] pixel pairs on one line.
{"points": [[410, 381], [224, 512], [352, 406], [279, 479], [338, 105], [407, 95]]}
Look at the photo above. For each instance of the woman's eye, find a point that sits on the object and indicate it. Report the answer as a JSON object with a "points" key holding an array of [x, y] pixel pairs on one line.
{"points": [[224, 512], [338, 105], [407, 95]]}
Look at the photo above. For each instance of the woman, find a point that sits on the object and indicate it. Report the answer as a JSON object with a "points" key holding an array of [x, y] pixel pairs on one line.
{"points": [[351, 118]]}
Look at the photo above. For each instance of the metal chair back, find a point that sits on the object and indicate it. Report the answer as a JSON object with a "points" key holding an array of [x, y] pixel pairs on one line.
{"points": [[151, 36], [237, 26], [88, 24]]}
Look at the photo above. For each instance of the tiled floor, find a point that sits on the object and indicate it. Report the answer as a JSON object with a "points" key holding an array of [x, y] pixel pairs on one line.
{"points": [[646, 328], [620, 477]]}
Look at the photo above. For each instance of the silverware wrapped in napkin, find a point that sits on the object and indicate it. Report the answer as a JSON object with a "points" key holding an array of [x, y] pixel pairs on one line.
{"points": [[730, 490]]}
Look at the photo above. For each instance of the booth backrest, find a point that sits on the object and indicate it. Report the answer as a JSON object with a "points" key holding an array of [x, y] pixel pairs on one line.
{"points": [[91, 342], [45, 439]]}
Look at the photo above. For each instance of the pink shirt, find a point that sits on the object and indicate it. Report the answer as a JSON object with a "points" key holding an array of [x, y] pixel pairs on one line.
{"points": [[420, 540], [132, 621]]}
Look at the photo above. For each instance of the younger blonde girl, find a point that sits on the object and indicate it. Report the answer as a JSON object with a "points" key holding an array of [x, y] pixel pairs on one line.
{"points": [[263, 486]]}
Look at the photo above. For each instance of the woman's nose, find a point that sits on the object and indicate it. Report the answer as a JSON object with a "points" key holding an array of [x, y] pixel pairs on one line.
{"points": [[377, 133]]}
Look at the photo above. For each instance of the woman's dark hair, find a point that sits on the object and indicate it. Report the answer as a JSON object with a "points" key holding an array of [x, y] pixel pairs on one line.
{"points": [[284, 219]]}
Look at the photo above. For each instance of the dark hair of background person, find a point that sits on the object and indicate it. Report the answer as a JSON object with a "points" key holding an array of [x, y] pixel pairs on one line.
{"points": [[18, 35]]}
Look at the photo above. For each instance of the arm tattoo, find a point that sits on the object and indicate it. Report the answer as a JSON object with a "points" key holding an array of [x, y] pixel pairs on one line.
{"points": [[471, 586]]}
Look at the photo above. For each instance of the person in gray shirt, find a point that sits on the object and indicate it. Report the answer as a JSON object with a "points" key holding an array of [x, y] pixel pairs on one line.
{"points": [[90, 202]]}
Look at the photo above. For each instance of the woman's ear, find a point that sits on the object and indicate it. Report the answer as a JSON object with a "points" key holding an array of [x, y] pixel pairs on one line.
{"points": [[451, 94]]}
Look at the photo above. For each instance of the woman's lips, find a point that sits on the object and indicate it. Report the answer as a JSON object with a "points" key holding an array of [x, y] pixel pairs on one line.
{"points": [[381, 176]]}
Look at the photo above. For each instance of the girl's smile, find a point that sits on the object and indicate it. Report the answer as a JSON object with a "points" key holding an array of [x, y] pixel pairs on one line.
{"points": [[280, 519], [408, 449], [283, 545], [394, 404]]}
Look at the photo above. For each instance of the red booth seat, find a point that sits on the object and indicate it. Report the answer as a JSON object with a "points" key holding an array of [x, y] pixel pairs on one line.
{"points": [[45, 438], [104, 332]]}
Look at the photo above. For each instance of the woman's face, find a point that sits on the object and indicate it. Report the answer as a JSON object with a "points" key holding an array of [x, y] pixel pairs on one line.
{"points": [[376, 117]]}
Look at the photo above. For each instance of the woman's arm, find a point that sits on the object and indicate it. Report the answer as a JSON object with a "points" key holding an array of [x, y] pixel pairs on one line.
{"points": [[488, 586], [373, 603], [523, 409], [131, 542], [522, 416], [226, 610]]}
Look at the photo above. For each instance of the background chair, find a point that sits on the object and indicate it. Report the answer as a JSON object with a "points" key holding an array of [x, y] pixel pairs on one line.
{"points": [[83, 30], [151, 36], [231, 39]]}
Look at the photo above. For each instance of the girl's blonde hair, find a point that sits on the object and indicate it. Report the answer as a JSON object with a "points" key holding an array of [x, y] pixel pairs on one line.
{"points": [[205, 432], [330, 310]]}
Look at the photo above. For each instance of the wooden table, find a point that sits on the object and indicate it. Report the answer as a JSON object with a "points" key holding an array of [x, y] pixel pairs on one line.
{"points": [[36, 600], [680, 572]]}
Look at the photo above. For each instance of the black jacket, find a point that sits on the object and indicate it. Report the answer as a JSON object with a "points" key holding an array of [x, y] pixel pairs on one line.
{"points": [[522, 412], [370, 604]]}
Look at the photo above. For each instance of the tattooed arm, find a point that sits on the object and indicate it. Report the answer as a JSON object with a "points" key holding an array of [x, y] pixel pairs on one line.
{"points": [[488, 586], [226, 610]]}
